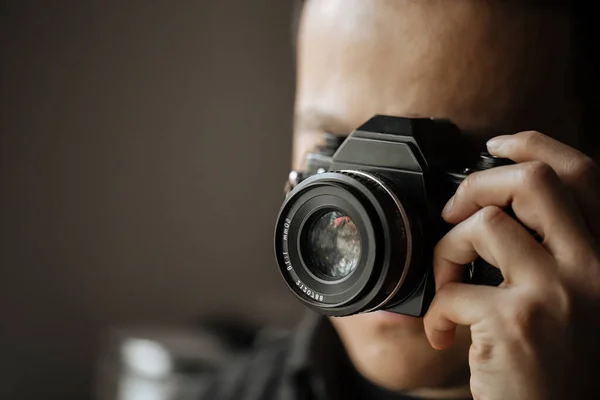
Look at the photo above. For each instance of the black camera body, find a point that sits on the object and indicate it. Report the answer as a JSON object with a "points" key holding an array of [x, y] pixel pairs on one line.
{"points": [[357, 230]]}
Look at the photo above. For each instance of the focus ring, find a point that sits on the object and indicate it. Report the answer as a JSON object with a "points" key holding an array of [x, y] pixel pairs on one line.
{"points": [[400, 251]]}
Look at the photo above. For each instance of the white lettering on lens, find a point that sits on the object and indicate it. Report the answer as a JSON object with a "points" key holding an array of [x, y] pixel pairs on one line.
{"points": [[286, 228], [286, 261], [309, 292]]}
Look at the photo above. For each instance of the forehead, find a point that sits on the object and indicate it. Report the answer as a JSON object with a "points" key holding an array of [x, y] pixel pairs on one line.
{"points": [[487, 65]]}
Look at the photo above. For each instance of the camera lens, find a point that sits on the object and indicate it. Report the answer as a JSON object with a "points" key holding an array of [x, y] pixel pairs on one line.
{"points": [[344, 243], [333, 245]]}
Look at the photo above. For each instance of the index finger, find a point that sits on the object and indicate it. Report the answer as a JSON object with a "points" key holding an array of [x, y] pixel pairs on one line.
{"points": [[497, 238], [575, 169], [458, 304]]}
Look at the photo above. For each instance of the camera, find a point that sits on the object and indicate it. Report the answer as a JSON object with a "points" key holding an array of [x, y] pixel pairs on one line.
{"points": [[357, 229]]}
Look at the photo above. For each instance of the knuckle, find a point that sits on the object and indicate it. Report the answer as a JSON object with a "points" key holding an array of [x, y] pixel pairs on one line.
{"points": [[563, 300], [490, 217], [558, 298], [466, 185], [446, 291], [536, 173], [580, 168], [481, 351], [522, 315], [530, 138]]}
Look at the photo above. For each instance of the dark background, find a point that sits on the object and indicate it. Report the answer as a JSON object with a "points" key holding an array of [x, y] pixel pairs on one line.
{"points": [[143, 146]]}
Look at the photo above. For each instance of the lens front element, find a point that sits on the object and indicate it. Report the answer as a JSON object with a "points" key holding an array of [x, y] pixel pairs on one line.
{"points": [[333, 245]]}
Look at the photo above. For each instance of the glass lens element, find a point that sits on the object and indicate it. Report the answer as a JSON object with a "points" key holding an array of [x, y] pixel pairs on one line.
{"points": [[334, 245]]}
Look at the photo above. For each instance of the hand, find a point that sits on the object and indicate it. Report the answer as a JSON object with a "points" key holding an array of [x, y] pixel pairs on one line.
{"points": [[535, 336]]}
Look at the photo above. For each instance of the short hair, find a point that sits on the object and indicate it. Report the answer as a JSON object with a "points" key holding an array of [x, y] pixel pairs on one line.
{"points": [[587, 66]]}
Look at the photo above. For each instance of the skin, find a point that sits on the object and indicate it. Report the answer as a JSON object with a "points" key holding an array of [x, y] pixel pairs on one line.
{"points": [[493, 68]]}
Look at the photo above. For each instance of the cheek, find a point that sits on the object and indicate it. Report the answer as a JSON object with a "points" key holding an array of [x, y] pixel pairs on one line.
{"points": [[357, 331], [379, 325], [353, 324]]}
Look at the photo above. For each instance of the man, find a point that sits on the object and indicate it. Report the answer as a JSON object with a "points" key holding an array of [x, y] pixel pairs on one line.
{"points": [[494, 68]]}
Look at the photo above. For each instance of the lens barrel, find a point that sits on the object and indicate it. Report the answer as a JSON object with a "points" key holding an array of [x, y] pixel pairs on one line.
{"points": [[343, 242]]}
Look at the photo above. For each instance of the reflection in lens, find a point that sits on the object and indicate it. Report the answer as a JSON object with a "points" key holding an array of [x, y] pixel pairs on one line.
{"points": [[334, 245]]}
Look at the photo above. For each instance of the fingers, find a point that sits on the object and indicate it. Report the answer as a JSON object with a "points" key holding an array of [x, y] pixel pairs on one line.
{"points": [[575, 169], [569, 163], [497, 238], [537, 196], [458, 304]]}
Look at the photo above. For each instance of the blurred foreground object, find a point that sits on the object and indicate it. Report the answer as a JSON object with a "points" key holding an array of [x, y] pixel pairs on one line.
{"points": [[171, 363]]}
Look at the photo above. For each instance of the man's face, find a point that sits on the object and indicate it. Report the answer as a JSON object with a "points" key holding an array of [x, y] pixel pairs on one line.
{"points": [[490, 67]]}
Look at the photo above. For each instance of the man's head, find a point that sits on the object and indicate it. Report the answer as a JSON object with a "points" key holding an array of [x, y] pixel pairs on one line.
{"points": [[490, 66]]}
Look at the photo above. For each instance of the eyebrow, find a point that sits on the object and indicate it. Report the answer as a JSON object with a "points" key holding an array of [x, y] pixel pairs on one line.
{"points": [[318, 121]]}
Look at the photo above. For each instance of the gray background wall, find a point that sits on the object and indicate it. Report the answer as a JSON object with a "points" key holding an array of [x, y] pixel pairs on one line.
{"points": [[143, 146]]}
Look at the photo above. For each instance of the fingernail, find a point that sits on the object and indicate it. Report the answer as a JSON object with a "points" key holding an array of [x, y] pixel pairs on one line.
{"points": [[448, 206], [495, 145]]}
